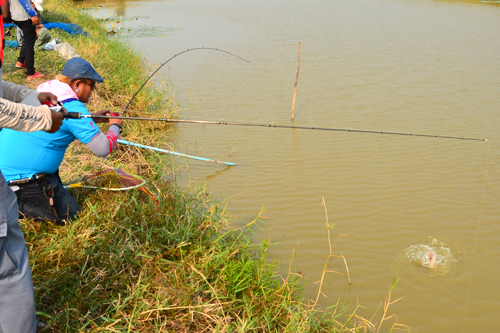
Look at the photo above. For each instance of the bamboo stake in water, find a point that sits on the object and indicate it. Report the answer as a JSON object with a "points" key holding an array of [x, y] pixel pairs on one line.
{"points": [[296, 79]]}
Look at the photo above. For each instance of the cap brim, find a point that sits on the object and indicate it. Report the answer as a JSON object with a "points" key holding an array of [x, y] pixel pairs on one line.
{"points": [[98, 78]]}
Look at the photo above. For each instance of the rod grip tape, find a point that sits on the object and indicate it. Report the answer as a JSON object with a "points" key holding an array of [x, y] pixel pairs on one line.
{"points": [[72, 115]]}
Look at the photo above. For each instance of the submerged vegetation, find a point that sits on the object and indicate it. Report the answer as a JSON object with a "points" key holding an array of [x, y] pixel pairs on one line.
{"points": [[130, 265]]}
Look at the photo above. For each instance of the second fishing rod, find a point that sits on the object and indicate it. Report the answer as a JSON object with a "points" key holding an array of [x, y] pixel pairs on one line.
{"points": [[76, 115]]}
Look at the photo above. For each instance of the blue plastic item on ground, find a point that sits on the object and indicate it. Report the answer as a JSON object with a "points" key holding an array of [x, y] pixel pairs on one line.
{"points": [[71, 28], [11, 43]]}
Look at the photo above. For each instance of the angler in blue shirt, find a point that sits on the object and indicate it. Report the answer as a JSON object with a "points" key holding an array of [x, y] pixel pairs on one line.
{"points": [[32, 172]]}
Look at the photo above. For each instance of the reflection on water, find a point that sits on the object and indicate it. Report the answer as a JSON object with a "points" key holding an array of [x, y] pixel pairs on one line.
{"points": [[217, 173]]}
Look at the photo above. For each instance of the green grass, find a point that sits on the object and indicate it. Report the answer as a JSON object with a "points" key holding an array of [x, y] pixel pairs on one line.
{"points": [[129, 265]]}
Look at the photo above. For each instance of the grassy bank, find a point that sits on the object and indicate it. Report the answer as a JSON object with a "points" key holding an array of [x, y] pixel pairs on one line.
{"points": [[130, 265]]}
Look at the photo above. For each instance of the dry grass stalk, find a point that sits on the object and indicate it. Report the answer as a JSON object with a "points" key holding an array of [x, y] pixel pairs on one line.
{"points": [[387, 303], [346, 268], [212, 288], [328, 227]]}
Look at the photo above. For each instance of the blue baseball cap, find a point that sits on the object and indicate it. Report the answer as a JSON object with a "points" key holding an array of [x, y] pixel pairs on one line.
{"points": [[78, 68]]}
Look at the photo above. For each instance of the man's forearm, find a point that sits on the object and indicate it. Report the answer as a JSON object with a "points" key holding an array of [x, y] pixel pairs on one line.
{"points": [[16, 92], [25, 118]]}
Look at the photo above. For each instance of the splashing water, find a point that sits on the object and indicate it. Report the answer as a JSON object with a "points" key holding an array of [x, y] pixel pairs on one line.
{"points": [[435, 255]]}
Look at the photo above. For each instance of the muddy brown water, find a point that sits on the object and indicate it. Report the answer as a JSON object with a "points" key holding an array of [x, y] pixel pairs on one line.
{"points": [[412, 66]]}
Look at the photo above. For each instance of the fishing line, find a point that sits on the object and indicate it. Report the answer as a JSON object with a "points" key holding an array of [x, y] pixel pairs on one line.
{"points": [[477, 235], [76, 115], [176, 55]]}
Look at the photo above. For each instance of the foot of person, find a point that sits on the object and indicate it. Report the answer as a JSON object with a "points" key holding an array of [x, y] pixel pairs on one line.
{"points": [[37, 75], [20, 65]]}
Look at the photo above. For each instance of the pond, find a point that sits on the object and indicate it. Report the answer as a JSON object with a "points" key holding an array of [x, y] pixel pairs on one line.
{"points": [[422, 209]]}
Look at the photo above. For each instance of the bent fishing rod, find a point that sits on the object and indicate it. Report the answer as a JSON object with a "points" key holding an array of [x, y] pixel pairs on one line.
{"points": [[174, 56], [77, 115]]}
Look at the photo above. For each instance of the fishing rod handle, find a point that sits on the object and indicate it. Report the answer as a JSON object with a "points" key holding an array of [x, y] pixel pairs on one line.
{"points": [[73, 115], [67, 115]]}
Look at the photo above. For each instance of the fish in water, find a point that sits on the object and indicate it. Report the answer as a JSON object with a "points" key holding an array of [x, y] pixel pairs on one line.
{"points": [[436, 257], [432, 260]]}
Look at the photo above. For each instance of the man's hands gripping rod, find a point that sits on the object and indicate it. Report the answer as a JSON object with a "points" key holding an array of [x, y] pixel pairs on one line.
{"points": [[101, 115]]}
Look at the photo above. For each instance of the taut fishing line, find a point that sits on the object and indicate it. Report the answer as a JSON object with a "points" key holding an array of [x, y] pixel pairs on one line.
{"points": [[477, 235], [176, 55]]}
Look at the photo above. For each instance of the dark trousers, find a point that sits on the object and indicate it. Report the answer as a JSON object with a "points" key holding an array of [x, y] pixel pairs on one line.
{"points": [[33, 201], [27, 53]]}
